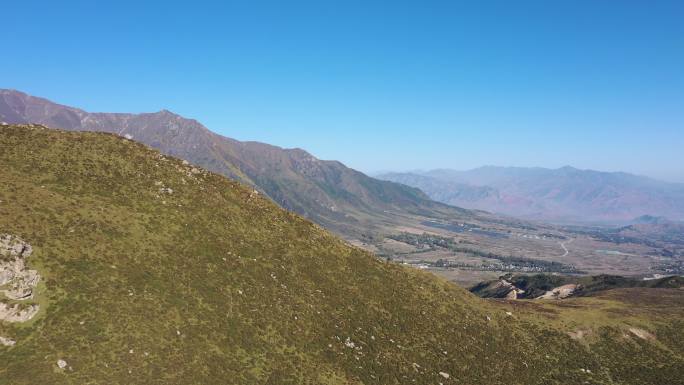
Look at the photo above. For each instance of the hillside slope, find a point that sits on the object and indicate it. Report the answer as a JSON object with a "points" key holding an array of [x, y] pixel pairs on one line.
{"points": [[566, 194], [156, 272], [327, 192]]}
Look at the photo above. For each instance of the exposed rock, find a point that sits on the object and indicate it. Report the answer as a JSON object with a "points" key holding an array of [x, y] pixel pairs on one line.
{"points": [[444, 374], [641, 333], [17, 312], [17, 280], [6, 276], [13, 273], [512, 291], [7, 341], [19, 292], [348, 343], [12, 247], [61, 363], [579, 334], [560, 292]]}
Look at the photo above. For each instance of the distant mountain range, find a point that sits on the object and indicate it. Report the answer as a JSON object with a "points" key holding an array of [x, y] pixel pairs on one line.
{"points": [[564, 195], [327, 192]]}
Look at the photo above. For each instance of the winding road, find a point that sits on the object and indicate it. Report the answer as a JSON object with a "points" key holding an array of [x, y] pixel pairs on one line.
{"points": [[562, 244]]}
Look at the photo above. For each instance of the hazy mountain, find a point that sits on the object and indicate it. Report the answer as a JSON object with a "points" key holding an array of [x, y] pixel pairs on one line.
{"points": [[327, 192], [156, 272], [562, 195]]}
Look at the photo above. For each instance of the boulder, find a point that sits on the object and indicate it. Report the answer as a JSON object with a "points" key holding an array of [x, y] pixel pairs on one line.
{"points": [[7, 341], [17, 312]]}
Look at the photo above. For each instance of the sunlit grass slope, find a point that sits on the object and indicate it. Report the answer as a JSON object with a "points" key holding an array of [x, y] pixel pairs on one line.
{"points": [[157, 272]]}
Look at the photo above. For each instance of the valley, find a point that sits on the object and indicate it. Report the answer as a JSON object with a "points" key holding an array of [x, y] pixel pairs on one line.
{"points": [[471, 251]]}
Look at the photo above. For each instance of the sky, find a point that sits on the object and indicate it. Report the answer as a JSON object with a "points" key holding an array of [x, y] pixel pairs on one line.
{"points": [[378, 85]]}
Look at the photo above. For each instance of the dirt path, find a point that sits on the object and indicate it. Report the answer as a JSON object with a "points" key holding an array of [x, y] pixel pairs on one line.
{"points": [[565, 249]]}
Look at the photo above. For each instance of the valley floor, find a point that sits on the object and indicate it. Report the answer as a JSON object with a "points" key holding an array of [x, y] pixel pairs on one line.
{"points": [[480, 250]]}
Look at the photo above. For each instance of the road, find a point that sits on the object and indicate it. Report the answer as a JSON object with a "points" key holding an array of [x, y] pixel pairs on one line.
{"points": [[562, 244]]}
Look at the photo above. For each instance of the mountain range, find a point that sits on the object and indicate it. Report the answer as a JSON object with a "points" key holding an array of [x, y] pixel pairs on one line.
{"points": [[563, 195], [327, 192], [371, 212]]}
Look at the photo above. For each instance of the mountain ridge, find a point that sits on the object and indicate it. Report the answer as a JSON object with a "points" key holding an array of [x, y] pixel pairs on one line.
{"points": [[563, 195], [329, 193]]}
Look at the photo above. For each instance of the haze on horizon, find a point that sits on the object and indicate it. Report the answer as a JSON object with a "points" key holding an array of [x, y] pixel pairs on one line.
{"points": [[382, 86]]}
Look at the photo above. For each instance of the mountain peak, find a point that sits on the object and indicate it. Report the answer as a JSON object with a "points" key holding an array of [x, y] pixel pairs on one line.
{"points": [[166, 112]]}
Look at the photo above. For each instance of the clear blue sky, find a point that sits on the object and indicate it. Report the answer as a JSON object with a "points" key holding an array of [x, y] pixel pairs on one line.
{"points": [[379, 85]]}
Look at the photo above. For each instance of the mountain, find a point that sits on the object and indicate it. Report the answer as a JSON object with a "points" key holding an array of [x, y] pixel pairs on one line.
{"points": [[326, 192], [138, 268], [566, 195]]}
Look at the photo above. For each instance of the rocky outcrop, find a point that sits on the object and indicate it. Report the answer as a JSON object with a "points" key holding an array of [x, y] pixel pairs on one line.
{"points": [[16, 281], [7, 341], [512, 291], [641, 333], [580, 334], [17, 312], [12, 247], [560, 292]]}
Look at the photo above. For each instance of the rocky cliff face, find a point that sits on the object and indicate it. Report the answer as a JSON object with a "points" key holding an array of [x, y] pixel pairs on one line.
{"points": [[17, 282]]}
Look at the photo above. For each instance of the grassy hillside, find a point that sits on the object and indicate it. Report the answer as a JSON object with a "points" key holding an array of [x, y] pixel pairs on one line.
{"points": [[157, 272]]}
